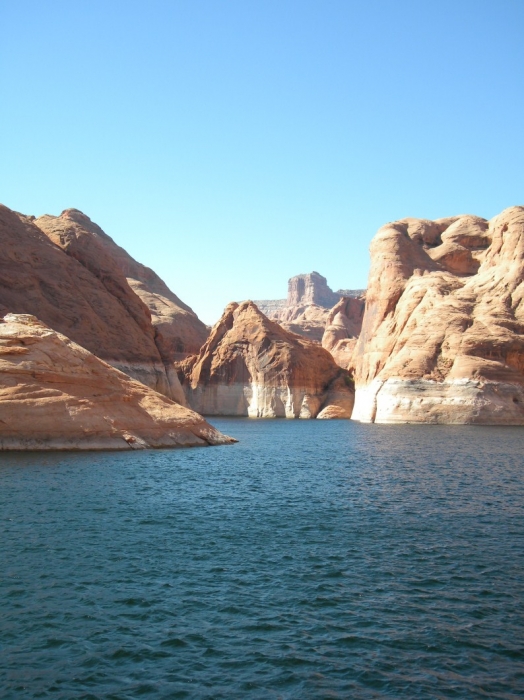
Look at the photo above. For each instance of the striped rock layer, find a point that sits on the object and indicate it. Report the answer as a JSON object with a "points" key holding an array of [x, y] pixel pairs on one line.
{"points": [[251, 366], [442, 339]]}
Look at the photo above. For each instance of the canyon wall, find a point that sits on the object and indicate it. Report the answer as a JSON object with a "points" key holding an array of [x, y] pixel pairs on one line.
{"points": [[37, 277], [306, 309], [442, 339], [56, 395], [73, 277], [251, 366], [343, 327], [178, 330]]}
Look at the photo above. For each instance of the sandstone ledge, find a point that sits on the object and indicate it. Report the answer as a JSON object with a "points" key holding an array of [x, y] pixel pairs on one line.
{"points": [[56, 395]]}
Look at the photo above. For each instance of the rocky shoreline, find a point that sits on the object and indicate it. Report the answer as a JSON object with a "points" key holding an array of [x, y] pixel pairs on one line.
{"points": [[56, 395], [98, 353]]}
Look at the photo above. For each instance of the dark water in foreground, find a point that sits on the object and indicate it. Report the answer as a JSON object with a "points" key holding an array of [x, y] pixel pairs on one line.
{"points": [[314, 559]]}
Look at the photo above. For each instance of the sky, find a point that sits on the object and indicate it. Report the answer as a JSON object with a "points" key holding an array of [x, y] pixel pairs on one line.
{"points": [[232, 144]]}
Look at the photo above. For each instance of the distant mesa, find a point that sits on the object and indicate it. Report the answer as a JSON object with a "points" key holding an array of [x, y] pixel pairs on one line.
{"points": [[306, 309], [251, 366], [311, 288]]}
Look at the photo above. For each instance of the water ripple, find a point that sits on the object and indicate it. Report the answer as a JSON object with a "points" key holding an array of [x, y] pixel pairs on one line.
{"points": [[312, 560]]}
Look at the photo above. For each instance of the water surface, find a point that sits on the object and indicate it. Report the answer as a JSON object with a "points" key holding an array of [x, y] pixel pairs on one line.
{"points": [[314, 559]]}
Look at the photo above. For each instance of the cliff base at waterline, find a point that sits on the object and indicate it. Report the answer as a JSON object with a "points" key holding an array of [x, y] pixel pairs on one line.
{"points": [[251, 366], [55, 395]]}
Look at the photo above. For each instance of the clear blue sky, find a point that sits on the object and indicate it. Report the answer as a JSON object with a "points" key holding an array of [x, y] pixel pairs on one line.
{"points": [[230, 144]]}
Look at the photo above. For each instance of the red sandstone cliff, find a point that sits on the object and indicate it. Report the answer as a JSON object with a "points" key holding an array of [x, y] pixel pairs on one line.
{"points": [[343, 326], [307, 307], [103, 315], [55, 394], [252, 366], [69, 273], [443, 332], [178, 330]]}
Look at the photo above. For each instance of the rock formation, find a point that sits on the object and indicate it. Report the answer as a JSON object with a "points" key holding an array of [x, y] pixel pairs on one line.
{"points": [[306, 309], [443, 332], [178, 330], [251, 366], [308, 320], [54, 394], [343, 327], [36, 277], [310, 289], [85, 295]]}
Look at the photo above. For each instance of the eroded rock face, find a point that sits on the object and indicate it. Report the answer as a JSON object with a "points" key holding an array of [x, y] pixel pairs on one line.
{"points": [[54, 394], [101, 313], [307, 307], [311, 288], [343, 327], [309, 321], [178, 332], [443, 332], [251, 366]]}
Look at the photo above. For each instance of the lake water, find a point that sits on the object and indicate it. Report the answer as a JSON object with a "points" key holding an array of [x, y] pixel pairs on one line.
{"points": [[314, 559]]}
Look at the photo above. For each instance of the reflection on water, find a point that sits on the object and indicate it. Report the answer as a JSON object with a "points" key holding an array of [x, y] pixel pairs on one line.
{"points": [[314, 559]]}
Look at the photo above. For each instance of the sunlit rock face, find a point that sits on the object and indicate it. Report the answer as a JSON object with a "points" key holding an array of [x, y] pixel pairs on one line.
{"points": [[55, 394], [311, 288], [251, 366], [101, 313], [177, 331], [307, 307], [343, 326], [442, 339]]}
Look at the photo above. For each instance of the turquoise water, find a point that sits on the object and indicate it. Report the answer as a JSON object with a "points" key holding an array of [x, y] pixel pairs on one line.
{"points": [[314, 559]]}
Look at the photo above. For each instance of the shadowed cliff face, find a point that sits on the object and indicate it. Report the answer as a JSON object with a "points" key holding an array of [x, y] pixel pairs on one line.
{"points": [[443, 331], [343, 326], [54, 394], [252, 366]]}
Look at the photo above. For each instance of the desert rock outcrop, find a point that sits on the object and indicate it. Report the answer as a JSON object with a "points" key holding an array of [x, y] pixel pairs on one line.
{"points": [[73, 277], [178, 330], [311, 288], [104, 316], [54, 394], [251, 366], [343, 326], [306, 309], [443, 332]]}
